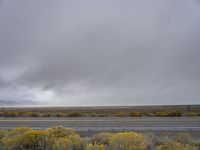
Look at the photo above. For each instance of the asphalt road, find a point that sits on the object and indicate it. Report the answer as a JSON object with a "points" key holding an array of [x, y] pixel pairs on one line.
{"points": [[94, 124]]}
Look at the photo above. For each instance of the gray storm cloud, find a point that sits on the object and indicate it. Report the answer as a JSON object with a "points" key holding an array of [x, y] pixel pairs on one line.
{"points": [[100, 52]]}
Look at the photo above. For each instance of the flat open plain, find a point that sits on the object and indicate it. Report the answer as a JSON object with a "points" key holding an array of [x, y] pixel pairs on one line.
{"points": [[96, 124]]}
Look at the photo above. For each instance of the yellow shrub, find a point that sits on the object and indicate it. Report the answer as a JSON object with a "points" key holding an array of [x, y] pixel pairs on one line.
{"points": [[34, 139], [60, 137], [10, 114], [17, 132], [120, 114], [135, 114], [95, 147], [32, 114], [77, 142], [72, 142], [174, 145], [127, 141], [25, 138], [193, 114], [59, 131], [161, 114]]}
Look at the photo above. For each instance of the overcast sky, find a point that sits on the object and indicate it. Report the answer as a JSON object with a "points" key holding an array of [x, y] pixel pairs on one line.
{"points": [[100, 52]]}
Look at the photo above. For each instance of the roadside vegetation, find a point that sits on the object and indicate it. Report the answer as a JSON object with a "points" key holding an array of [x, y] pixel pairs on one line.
{"points": [[60, 138], [137, 111]]}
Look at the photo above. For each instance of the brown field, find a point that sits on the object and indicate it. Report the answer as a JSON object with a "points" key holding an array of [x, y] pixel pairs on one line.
{"points": [[103, 111]]}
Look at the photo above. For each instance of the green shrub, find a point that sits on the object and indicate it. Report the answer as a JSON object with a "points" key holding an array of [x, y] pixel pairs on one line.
{"points": [[74, 114], [102, 115], [183, 137], [197, 143], [1, 114], [61, 144], [102, 138], [46, 115], [60, 115], [91, 115], [2, 134], [174, 113], [151, 140]]}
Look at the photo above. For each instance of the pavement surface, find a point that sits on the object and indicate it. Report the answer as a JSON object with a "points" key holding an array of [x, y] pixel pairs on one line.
{"points": [[99, 124]]}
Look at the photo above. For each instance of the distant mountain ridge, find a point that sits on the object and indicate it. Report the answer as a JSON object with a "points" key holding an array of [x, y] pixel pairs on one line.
{"points": [[16, 102]]}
